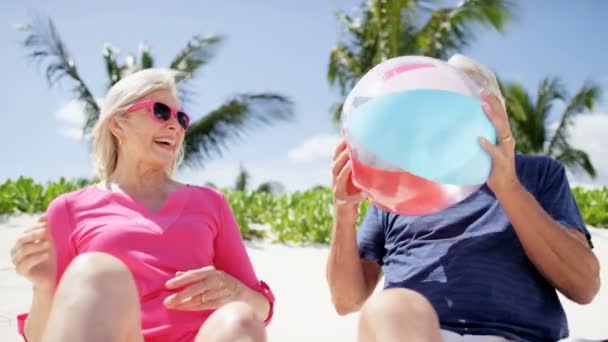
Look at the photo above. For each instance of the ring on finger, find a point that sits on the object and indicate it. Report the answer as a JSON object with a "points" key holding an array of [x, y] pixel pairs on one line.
{"points": [[505, 139]]}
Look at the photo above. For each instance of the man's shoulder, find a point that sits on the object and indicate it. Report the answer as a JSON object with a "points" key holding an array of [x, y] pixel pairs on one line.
{"points": [[536, 161], [535, 170]]}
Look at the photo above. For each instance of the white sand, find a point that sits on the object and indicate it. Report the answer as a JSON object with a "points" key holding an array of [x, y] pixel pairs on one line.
{"points": [[297, 276]]}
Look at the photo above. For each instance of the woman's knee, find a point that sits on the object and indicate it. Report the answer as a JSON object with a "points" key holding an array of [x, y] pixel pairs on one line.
{"points": [[94, 275], [96, 300], [100, 271], [398, 302], [234, 322]]}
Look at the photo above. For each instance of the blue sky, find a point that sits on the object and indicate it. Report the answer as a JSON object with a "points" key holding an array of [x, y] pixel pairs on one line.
{"points": [[271, 45]]}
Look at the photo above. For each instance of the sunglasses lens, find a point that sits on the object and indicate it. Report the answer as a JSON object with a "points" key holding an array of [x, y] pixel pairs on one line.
{"points": [[161, 111], [183, 120]]}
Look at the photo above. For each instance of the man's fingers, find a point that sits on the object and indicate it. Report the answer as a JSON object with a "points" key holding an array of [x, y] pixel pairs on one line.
{"points": [[339, 163], [352, 198], [489, 147], [341, 185], [494, 102], [344, 173], [339, 148], [496, 114]]}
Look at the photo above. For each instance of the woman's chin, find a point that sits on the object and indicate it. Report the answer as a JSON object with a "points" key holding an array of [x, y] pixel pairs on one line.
{"points": [[163, 160]]}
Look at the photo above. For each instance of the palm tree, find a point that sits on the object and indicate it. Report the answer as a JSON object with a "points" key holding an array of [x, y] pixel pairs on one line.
{"points": [[272, 187], [528, 118], [242, 179], [208, 135], [391, 28]]}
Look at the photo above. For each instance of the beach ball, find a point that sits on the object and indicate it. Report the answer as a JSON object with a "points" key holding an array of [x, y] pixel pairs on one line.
{"points": [[412, 125]]}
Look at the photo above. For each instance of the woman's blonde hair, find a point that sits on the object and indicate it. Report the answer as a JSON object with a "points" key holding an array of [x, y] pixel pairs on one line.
{"points": [[479, 73], [122, 94]]}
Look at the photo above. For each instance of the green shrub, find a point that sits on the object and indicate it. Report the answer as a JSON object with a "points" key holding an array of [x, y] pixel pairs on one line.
{"points": [[299, 217]]}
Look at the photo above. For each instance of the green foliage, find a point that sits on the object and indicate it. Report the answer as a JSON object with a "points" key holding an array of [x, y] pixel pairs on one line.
{"points": [[529, 114], [383, 29], [593, 205], [298, 217], [26, 196]]}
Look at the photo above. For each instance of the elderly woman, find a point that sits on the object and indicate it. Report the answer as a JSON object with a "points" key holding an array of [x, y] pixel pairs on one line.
{"points": [[140, 256]]}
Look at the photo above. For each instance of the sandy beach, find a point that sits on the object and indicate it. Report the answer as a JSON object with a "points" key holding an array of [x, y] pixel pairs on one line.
{"points": [[297, 276]]}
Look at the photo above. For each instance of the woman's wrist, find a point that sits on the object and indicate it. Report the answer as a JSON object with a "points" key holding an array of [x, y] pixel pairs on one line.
{"points": [[261, 300]]}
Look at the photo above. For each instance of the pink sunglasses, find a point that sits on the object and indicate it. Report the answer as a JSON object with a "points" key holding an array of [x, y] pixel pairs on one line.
{"points": [[161, 112]]}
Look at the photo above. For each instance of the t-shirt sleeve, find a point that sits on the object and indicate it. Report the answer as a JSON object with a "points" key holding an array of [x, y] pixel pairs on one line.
{"points": [[231, 255], [61, 227], [370, 236], [556, 197]]}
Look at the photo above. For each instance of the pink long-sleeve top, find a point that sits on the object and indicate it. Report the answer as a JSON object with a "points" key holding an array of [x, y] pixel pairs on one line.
{"points": [[194, 228]]}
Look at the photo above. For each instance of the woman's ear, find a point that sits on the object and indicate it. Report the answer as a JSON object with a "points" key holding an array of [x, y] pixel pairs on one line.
{"points": [[115, 127]]}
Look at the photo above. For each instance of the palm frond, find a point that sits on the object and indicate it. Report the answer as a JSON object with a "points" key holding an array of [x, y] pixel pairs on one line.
{"points": [[549, 91], [112, 67], [45, 47], [242, 179], [453, 29], [272, 187], [198, 52], [390, 28], [336, 109], [584, 100], [212, 133], [577, 160], [344, 68], [388, 19], [146, 60], [526, 126]]}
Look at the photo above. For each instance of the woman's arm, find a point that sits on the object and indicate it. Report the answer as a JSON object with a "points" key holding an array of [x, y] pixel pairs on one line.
{"points": [[230, 278], [58, 251], [232, 258], [35, 322]]}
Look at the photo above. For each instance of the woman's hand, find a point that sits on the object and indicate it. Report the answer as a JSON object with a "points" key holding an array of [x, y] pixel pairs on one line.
{"points": [[205, 289], [33, 255]]}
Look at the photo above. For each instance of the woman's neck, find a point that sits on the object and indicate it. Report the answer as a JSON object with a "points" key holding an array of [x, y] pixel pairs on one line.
{"points": [[142, 179]]}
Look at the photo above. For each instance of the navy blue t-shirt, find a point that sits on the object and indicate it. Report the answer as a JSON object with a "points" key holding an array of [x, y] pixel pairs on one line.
{"points": [[469, 263]]}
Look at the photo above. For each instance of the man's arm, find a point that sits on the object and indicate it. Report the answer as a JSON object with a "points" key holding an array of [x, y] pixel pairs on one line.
{"points": [[351, 279], [562, 255], [559, 255]]}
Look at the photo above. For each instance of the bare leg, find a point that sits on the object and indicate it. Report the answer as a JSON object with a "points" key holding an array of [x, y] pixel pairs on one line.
{"points": [[234, 322], [398, 315], [96, 301]]}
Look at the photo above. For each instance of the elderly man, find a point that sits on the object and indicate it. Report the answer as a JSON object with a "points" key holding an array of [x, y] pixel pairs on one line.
{"points": [[485, 269]]}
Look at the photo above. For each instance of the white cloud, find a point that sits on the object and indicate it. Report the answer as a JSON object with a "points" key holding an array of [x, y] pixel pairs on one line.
{"points": [[590, 133], [315, 148], [71, 116], [74, 133]]}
